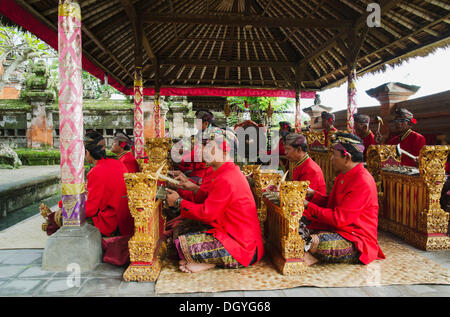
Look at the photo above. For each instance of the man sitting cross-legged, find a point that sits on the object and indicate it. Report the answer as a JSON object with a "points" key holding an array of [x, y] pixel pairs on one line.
{"points": [[234, 239], [345, 222]]}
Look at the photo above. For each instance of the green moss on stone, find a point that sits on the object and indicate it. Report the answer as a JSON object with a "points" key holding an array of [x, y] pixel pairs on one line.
{"points": [[44, 157], [14, 104]]}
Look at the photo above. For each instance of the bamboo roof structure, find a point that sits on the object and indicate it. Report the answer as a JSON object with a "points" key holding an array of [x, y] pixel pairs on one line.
{"points": [[306, 45]]}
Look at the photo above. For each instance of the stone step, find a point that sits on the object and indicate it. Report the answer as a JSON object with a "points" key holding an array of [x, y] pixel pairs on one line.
{"points": [[27, 185]]}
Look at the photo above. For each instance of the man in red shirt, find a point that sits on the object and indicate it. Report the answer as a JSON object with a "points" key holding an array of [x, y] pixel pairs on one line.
{"points": [[305, 168], [122, 148], [362, 130], [409, 140], [107, 202], [285, 129], [345, 223], [327, 124], [191, 163], [234, 239]]}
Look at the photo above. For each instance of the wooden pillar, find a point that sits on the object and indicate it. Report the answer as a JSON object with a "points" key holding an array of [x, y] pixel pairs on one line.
{"points": [[269, 112], [138, 130], [71, 114], [352, 106], [138, 114], [298, 110], [157, 114], [299, 74], [355, 39]]}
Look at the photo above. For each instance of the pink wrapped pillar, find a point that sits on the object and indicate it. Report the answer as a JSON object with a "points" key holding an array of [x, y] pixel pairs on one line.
{"points": [[298, 110], [71, 113], [157, 114], [352, 104], [138, 114]]}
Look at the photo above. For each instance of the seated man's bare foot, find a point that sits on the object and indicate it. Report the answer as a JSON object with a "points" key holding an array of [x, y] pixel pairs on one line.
{"points": [[195, 267], [184, 269], [182, 262], [309, 259]]}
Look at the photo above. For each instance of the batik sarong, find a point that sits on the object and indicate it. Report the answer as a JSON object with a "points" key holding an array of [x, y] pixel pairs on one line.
{"points": [[189, 226], [202, 247], [333, 248]]}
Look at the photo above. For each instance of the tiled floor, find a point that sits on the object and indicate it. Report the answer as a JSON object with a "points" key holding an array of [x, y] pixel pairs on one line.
{"points": [[21, 275], [22, 246]]}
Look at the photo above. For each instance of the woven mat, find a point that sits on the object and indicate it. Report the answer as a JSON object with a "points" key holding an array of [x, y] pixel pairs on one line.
{"points": [[402, 266]]}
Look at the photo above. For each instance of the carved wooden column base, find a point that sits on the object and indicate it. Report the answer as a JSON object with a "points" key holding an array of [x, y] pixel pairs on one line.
{"points": [[285, 266], [421, 240], [146, 271], [435, 221]]}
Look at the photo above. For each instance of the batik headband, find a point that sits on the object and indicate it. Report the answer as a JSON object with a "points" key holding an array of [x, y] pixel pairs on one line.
{"points": [[340, 141]]}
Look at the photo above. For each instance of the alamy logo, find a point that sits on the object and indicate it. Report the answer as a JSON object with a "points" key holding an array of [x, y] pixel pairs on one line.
{"points": [[374, 18]]}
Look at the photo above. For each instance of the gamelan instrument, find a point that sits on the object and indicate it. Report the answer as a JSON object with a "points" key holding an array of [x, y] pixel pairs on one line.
{"points": [[279, 213], [147, 247], [409, 197]]}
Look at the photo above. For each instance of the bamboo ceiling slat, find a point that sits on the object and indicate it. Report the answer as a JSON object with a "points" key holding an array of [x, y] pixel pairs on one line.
{"points": [[230, 53]]}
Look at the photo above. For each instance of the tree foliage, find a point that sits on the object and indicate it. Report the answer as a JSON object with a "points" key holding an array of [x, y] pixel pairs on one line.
{"points": [[259, 105], [18, 47]]}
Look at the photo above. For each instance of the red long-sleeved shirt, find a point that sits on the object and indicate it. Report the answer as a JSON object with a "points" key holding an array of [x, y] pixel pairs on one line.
{"points": [[127, 158], [308, 170], [411, 142], [351, 210], [231, 210], [204, 177], [107, 201], [368, 140]]}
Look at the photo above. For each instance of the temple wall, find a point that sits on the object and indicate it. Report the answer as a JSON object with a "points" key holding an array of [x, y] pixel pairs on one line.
{"points": [[432, 113], [14, 124]]}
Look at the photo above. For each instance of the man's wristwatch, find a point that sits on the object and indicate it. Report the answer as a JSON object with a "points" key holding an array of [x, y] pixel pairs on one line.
{"points": [[178, 202]]}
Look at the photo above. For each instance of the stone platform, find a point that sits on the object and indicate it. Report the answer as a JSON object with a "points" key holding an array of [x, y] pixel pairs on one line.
{"points": [[27, 185]]}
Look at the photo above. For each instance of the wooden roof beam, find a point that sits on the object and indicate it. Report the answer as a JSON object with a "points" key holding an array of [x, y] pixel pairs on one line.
{"points": [[132, 15], [359, 23], [55, 28], [224, 63], [238, 20]]}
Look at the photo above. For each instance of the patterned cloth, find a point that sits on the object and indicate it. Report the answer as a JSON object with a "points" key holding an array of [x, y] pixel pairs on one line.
{"points": [[189, 226], [333, 248], [202, 247]]}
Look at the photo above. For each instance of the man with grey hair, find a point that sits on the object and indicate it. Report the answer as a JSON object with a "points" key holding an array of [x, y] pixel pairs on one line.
{"points": [[305, 168]]}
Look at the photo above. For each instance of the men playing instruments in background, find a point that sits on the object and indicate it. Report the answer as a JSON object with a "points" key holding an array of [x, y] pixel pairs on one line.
{"points": [[122, 148], [362, 130], [345, 223], [191, 165], [409, 140], [285, 129], [305, 168], [327, 124]]}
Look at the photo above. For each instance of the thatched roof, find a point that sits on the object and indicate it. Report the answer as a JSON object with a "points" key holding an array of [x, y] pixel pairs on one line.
{"points": [[280, 44]]}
